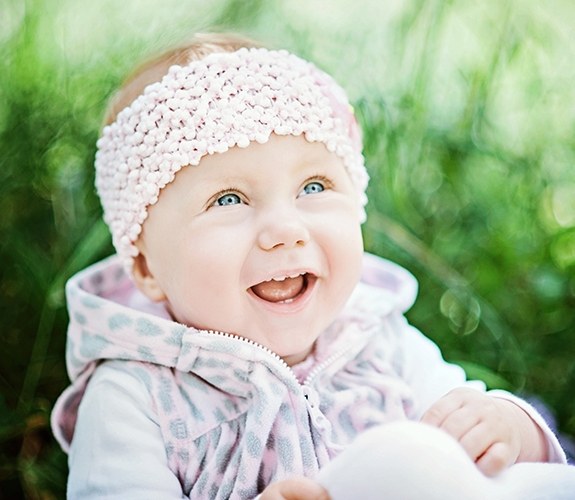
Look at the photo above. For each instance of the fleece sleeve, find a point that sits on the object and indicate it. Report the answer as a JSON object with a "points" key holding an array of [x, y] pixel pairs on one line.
{"points": [[431, 377], [117, 450]]}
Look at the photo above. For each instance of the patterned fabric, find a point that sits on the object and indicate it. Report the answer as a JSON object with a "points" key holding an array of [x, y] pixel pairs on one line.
{"points": [[233, 415]]}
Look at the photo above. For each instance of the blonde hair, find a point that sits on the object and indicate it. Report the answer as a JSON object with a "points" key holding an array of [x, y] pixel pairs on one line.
{"points": [[152, 70]]}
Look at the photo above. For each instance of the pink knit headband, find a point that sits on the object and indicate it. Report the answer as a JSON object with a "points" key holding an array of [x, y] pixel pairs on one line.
{"points": [[223, 100]]}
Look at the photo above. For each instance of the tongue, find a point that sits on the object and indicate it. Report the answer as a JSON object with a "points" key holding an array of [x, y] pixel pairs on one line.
{"points": [[279, 291]]}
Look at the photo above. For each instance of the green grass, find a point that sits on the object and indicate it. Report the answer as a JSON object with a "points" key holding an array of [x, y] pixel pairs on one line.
{"points": [[468, 123]]}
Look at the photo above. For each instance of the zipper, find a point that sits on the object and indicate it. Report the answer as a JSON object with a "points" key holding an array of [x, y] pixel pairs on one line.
{"points": [[253, 343], [322, 366], [306, 385]]}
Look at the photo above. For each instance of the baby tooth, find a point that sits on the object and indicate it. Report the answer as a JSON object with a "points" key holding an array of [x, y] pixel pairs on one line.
{"points": [[283, 278]]}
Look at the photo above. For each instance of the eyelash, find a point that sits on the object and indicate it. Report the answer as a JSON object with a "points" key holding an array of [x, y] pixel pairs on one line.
{"points": [[213, 202], [322, 179]]}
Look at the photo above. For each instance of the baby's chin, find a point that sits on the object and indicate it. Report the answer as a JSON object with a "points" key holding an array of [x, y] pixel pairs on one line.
{"points": [[292, 351], [294, 359]]}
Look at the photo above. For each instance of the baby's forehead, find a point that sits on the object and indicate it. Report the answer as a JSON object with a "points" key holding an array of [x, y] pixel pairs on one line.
{"points": [[279, 159], [226, 100]]}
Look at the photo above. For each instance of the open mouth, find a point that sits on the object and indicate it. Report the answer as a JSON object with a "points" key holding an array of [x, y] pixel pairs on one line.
{"points": [[283, 289]]}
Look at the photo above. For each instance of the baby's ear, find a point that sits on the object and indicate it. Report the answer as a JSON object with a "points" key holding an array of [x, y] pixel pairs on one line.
{"points": [[146, 281]]}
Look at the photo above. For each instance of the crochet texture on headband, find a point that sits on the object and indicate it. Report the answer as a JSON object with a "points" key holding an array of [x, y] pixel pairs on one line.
{"points": [[211, 105]]}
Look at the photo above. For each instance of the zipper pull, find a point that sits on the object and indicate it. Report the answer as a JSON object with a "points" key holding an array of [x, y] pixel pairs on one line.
{"points": [[311, 396], [318, 419]]}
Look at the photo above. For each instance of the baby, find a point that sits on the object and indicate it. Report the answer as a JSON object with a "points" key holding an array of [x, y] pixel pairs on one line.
{"points": [[240, 340]]}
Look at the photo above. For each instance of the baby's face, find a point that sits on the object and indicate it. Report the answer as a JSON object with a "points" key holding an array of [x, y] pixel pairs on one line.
{"points": [[262, 242]]}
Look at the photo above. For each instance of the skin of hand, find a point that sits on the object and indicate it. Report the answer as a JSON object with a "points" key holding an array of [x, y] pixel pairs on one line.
{"points": [[295, 489], [494, 432]]}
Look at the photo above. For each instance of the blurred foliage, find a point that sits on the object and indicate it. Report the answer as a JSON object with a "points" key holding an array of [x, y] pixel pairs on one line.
{"points": [[467, 110]]}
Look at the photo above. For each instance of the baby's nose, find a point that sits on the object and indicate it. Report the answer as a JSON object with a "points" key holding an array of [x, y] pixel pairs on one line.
{"points": [[284, 229]]}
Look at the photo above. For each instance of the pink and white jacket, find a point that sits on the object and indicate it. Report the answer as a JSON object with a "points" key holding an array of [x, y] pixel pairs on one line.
{"points": [[227, 416]]}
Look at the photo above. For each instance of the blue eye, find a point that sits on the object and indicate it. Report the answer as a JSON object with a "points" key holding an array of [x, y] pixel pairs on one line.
{"points": [[228, 199], [313, 188]]}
